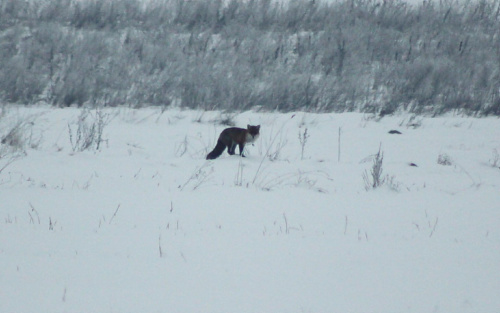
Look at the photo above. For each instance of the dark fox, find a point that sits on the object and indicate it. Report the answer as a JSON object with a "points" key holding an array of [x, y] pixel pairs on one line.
{"points": [[230, 137]]}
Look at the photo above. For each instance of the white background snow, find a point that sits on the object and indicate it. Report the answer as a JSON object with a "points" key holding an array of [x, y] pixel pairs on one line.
{"points": [[146, 224]]}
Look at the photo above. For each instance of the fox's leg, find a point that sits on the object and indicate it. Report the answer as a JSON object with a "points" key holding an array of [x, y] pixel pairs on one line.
{"points": [[231, 148], [241, 146]]}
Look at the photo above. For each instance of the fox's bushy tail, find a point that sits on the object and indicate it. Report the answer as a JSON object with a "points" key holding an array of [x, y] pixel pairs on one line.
{"points": [[217, 151]]}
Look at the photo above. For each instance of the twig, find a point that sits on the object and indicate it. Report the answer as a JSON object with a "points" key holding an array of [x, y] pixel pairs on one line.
{"points": [[114, 214], [33, 210], [287, 231], [51, 225], [64, 294], [345, 227], [159, 246], [434, 228], [137, 173]]}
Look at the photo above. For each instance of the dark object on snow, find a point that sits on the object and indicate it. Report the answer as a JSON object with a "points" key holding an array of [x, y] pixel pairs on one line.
{"points": [[413, 164], [232, 136], [395, 132]]}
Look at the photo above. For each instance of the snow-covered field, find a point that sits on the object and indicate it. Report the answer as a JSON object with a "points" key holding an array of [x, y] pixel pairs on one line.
{"points": [[146, 224]]}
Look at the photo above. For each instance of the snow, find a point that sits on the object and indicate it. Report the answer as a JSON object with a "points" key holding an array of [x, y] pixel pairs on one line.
{"points": [[146, 224]]}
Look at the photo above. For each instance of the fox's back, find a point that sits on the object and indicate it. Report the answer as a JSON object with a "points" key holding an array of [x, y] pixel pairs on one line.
{"points": [[234, 134]]}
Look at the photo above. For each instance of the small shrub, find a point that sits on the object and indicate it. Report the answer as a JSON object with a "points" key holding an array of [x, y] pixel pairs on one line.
{"points": [[199, 117], [303, 140], [444, 159], [374, 178], [89, 130], [227, 119], [15, 136], [21, 136], [413, 122], [392, 183]]}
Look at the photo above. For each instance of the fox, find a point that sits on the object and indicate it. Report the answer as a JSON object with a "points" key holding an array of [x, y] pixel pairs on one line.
{"points": [[232, 136]]}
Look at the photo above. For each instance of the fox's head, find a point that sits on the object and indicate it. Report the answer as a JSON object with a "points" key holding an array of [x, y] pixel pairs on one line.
{"points": [[253, 133]]}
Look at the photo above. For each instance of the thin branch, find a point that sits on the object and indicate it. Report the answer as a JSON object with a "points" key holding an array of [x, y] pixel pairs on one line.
{"points": [[114, 214]]}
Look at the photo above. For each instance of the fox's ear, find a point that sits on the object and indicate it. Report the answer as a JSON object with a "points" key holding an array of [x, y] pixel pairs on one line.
{"points": [[248, 126]]}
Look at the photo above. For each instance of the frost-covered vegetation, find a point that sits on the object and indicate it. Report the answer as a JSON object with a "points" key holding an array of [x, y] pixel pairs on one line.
{"points": [[351, 55]]}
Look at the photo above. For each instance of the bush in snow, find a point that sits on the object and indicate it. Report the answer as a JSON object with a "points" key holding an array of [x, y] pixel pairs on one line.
{"points": [[303, 140], [18, 135], [444, 159], [374, 178], [88, 131]]}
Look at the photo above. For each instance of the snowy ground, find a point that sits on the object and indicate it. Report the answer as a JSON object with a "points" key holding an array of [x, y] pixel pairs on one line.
{"points": [[148, 225]]}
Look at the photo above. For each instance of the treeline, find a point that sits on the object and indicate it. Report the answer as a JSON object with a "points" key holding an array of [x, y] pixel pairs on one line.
{"points": [[350, 55]]}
